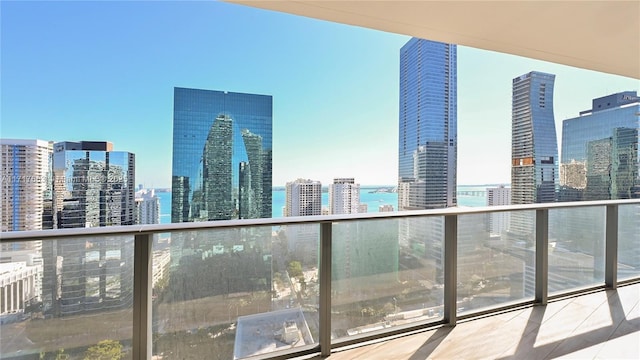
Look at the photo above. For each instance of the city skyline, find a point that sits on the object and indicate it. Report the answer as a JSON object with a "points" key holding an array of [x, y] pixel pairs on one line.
{"points": [[129, 62]]}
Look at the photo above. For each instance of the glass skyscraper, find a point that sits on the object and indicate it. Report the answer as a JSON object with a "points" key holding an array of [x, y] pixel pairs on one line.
{"points": [[600, 152], [428, 139], [93, 185], [222, 155], [428, 143], [534, 146]]}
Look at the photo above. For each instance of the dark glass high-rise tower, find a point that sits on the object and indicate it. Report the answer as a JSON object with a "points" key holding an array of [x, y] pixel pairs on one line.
{"points": [[600, 150], [221, 155], [428, 138], [428, 142], [534, 146]]}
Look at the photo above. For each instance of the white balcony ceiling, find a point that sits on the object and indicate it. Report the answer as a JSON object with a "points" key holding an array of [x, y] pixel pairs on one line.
{"points": [[598, 35]]}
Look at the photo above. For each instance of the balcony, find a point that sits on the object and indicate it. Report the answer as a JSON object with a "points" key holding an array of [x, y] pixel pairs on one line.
{"points": [[433, 283], [597, 325]]}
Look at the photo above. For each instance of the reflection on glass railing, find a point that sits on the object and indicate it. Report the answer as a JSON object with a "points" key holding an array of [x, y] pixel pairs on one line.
{"points": [[495, 268], [386, 273], [628, 241], [576, 247], [234, 293], [67, 298], [237, 292]]}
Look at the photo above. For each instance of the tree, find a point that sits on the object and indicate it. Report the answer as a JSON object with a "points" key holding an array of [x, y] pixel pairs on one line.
{"points": [[295, 269], [303, 284], [61, 355], [105, 350]]}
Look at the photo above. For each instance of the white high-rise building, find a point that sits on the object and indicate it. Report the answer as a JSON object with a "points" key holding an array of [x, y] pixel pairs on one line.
{"points": [[25, 167], [499, 222], [303, 198], [498, 196], [147, 207], [344, 196]]}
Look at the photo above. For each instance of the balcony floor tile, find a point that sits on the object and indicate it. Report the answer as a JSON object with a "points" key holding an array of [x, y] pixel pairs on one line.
{"points": [[600, 325]]}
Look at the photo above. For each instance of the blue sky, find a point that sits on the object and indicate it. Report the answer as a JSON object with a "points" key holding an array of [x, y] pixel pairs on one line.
{"points": [[81, 70]]}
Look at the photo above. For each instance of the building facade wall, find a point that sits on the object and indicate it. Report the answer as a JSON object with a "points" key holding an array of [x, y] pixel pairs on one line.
{"points": [[92, 185], [344, 196], [497, 196], [222, 154], [303, 198], [600, 150]]}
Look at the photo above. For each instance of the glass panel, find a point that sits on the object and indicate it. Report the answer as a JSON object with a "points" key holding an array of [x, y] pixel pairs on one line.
{"points": [[70, 297], [576, 247], [495, 268], [628, 241], [386, 273], [234, 293]]}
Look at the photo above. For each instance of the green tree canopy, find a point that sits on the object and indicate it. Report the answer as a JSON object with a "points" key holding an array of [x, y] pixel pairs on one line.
{"points": [[295, 269], [105, 350]]}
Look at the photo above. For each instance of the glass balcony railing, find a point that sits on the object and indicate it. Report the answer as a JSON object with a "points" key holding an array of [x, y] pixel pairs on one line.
{"points": [[60, 297], [576, 247], [497, 269], [628, 241], [385, 273], [297, 286]]}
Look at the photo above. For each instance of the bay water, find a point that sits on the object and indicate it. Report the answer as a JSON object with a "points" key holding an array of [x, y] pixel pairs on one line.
{"points": [[368, 195]]}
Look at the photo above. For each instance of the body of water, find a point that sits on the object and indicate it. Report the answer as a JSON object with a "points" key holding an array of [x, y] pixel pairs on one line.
{"points": [[373, 200]]}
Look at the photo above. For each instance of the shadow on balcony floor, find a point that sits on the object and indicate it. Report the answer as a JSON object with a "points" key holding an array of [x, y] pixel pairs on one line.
{"points": [[604, 324]]}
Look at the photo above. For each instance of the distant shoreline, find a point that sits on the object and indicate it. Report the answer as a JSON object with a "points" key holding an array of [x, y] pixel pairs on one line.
{"points": [[369, 187]]}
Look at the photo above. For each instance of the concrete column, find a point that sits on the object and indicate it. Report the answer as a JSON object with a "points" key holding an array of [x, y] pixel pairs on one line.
{"points": [[28, 281], [3, 300], [10, 286], [7, 298], [16, 299], [20, 294]]}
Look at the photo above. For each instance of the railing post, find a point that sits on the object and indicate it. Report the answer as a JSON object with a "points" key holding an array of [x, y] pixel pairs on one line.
{"points": [[611, 248], [142, 275], [542, 256], [325, 289], [450, 267]]}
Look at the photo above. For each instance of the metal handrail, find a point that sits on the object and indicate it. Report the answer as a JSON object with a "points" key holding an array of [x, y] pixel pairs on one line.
{"points": [[188, 226]]}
